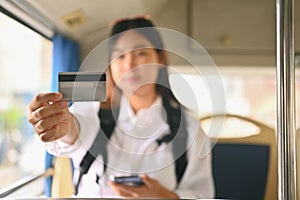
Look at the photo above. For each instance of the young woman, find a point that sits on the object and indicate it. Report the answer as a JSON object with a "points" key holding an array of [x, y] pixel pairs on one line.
{"points": [[143, 138]]}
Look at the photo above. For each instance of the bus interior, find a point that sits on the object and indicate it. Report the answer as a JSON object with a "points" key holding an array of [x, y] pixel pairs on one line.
{"points": [[226, 54]]}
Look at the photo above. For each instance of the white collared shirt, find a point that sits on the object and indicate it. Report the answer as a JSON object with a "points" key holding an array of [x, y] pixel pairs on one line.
{"points": [[133, 150]]}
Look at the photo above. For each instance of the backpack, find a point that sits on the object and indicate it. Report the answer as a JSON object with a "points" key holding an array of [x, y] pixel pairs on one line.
{"points": [[178, 136]]}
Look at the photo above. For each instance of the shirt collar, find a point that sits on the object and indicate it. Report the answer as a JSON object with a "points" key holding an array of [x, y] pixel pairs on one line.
{"points": [[126, 111]]}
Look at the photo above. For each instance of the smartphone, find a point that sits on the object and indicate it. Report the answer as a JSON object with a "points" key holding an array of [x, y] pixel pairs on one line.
{"points": [[127, 180]]}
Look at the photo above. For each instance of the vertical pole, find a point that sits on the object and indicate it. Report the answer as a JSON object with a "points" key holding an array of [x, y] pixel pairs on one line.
{"points": [[285, 57]]}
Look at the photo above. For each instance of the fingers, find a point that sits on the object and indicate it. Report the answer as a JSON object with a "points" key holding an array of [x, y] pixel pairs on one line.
{"points": [[38, 107], [149, 182], [123, 190], [46, 123], [43, 99], [151, 189], [59, 130], [47, 111], [49, 116], [124, 194], [50, 135], [54, 133]]}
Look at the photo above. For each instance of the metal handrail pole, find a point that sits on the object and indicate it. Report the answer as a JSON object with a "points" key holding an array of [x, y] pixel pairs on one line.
{"points": [[285, 56], [24, 182]]}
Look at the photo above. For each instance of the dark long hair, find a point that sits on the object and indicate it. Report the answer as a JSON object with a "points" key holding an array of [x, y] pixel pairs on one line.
{"points": [[146, 28]]}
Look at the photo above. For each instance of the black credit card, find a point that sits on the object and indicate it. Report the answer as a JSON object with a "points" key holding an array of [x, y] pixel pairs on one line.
{"points": [[82, 86]]}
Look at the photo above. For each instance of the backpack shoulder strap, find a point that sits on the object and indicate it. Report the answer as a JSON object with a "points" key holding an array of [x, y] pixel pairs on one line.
{"points": [[107, 125], [178, 135]]}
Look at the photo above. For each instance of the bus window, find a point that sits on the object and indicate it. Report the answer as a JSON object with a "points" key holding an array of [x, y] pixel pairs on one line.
{"points": [[249, 92], [25, 69]]}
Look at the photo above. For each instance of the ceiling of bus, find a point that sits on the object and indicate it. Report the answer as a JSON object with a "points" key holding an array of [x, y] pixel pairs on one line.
{"points": [[95, 15], [234, 32]]}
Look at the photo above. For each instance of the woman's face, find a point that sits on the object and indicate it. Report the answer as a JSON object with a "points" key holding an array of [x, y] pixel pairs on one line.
{"points": [[135, 63]]}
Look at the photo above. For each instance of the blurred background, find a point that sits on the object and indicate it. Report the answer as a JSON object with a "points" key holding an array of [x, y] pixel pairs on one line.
{"points": [[240, 37]]}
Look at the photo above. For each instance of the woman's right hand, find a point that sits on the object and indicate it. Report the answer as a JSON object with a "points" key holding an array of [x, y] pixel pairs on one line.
{"points": [[51, 118]]}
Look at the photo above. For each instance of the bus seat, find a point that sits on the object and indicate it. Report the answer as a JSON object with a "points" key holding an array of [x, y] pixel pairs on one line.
{"points": [[245, 167], [60, 184]]}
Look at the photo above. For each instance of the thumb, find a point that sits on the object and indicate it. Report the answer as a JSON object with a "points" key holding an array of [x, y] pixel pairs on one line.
{"points": [[147, 180]]}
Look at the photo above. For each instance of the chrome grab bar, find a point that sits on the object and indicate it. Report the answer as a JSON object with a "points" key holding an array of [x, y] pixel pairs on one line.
{"points": [[23, 182], [286, 117]]}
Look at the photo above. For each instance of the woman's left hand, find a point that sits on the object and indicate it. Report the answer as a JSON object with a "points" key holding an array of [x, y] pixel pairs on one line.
{"points": [[151, 189]]}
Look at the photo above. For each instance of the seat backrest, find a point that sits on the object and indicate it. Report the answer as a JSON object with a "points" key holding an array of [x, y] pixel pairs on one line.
{"points": [[245, 167], [60, 183]]}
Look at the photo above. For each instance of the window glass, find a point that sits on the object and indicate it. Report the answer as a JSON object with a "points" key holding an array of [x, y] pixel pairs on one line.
{"points": [[25, 69], [249, 92]]}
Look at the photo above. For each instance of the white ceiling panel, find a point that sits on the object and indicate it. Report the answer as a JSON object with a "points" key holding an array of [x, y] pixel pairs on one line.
{"points": [[99, 13]]}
